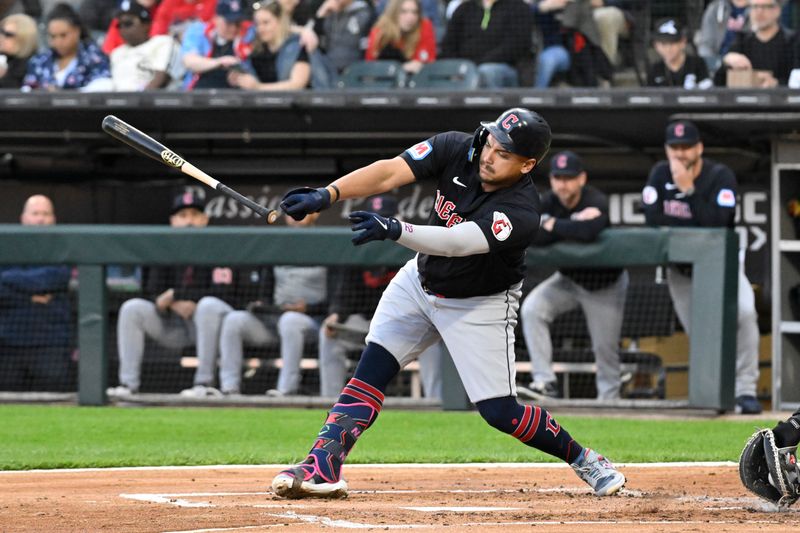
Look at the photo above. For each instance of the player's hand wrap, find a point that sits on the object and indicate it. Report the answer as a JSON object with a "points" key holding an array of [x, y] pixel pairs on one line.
{"points": [[298, 203], [374, 227], [770, 472]]}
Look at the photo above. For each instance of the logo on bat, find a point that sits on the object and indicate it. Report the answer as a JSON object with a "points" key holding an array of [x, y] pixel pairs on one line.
{"points": [[172, 159]]}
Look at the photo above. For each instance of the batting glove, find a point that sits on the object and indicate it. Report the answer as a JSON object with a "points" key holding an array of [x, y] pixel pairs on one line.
{"points": [[374, 227], [298, 203]]}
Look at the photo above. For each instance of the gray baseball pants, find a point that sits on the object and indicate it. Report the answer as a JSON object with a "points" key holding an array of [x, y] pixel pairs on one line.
{"points": [[333, 362], [139, 319], [747, 335], [603, 308], [242, 328]]}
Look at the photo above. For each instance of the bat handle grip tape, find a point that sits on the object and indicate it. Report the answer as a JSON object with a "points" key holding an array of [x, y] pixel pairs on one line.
{"points": [[259, 209]]}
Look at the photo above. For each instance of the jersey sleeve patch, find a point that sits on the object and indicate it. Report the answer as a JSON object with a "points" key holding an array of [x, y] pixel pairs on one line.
{"points": [[420, 150], [726, 198], [501, 226], [649, 195]]}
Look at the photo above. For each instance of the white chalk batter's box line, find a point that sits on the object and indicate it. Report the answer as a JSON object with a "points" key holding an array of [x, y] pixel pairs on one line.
{"points": [[699, 464]]}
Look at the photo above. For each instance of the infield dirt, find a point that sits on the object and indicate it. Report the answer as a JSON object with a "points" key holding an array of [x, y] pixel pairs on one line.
{"points": [[457, 498]]}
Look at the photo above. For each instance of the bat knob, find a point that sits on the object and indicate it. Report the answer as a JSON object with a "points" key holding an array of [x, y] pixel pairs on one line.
{"points": [[272, 216]]}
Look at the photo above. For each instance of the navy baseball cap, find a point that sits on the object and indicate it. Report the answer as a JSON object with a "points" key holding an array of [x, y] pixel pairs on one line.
{"points": [[383, 204], [187, 199], [131, 7], [669, 30], [565, 164], [682, 132], [231, 10]]}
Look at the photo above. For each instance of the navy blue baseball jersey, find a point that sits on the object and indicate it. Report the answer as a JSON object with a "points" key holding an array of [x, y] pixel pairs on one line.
{"points": [[713, 203], [569, 229], [509, 218]]}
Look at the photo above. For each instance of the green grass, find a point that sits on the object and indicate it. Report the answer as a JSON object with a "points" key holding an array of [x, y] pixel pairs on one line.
{"points": [[66, 437]]}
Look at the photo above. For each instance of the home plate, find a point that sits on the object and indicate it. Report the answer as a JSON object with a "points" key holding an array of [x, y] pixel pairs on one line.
{"points": [[461, 509]]}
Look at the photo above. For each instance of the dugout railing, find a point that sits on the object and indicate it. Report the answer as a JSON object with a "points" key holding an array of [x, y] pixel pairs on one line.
{"points": [[712, 252]]}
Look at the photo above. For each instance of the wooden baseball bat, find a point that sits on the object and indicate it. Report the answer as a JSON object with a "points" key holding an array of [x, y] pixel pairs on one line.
{"points": [[140, 141]]}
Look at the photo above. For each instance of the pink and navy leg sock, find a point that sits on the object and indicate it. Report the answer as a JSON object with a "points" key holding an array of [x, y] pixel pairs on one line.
{"points": [[531, 425], [356, 410]]}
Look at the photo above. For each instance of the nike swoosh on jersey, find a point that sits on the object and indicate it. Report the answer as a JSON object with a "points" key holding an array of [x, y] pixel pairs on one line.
{"points": [[670, 186], [384, 226], [455, 180]]}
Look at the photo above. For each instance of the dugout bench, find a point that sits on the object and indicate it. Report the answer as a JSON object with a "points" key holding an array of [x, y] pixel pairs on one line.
{"points": [[712, 252]]}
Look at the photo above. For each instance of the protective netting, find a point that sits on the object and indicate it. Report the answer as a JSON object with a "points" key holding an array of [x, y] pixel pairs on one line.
{"points": [[646, 313], [237, 313]]}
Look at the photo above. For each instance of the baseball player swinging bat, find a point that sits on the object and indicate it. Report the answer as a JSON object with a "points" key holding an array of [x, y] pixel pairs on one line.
{"points": [[145, 144]]}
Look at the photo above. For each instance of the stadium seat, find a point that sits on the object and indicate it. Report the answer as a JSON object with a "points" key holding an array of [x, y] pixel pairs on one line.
{"points": [[453, 74], [374, 75]]}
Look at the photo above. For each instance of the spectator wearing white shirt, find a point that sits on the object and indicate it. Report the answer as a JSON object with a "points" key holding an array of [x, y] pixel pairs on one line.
{"points": [[143, 62]]}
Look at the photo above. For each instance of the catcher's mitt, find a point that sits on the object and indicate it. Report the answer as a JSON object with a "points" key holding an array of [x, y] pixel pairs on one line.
{"points": [[770, 472]]}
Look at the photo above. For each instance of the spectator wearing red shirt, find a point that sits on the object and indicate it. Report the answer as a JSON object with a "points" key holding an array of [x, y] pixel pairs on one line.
{"points": [[401, 34], [171, 15]]}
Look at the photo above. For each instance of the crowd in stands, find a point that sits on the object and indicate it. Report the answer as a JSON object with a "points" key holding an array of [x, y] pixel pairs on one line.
{"points": [[135, 45]]}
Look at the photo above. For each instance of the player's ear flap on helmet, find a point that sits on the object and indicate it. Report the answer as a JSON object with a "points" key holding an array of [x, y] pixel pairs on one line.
{"points": [[478, 140]]}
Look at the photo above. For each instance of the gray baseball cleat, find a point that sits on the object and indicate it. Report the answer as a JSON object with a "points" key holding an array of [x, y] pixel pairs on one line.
{"points": [[598, 472]]}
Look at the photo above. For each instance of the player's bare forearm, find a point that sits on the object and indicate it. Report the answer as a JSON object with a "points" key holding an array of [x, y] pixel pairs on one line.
{"points": [[378, 177]]}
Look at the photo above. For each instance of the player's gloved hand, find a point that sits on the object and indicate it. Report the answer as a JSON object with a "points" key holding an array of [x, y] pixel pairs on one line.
{"points": [[298, 203], [374, 227]]}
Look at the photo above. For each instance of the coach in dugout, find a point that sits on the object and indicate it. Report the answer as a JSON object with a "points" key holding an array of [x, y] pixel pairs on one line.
{"points": [[35, 327], [577, 212], [690, 190]]}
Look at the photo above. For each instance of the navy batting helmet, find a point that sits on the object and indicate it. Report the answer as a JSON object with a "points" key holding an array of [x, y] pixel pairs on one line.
{"points": [[521, 131]]}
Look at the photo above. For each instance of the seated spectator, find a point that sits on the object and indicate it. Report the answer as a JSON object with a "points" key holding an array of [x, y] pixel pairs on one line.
{"points": [[554, 56], [298, 299], [568, 27], [143, 62], [18, 41], [497, 38], [186, 307], [323, 73], [676, 68], [113, 39], [73, 61], [402, 35], [574, 211], [35, 317], [278, 61], [429, 9], [766, 48], [612, 22], [722, 21], [212, 49], [172, 17], [301, 23], [343, 26]]}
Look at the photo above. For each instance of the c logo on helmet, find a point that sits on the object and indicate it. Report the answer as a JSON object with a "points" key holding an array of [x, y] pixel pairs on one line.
{"points": [[172, 159], [679, 131], [509, 121], [561, 162]]}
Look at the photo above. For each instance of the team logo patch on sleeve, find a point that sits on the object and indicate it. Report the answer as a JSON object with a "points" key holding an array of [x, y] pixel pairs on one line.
{"points": [[420, 150], [649, 195], [726, 198], [501, 226]]}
